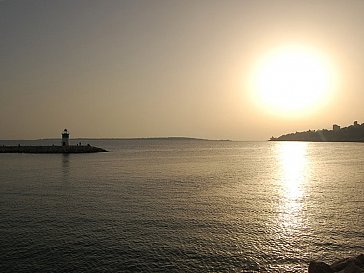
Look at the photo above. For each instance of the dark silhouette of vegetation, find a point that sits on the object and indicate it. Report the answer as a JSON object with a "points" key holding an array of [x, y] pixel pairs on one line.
{"points": [[352, 133]]}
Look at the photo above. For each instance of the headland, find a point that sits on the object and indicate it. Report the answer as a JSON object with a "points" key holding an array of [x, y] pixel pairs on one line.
{"points": [[352, 133]]}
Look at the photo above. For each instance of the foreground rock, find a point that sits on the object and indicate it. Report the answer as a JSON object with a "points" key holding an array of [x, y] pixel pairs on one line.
{"points": [[51, 149], [349, 265]]}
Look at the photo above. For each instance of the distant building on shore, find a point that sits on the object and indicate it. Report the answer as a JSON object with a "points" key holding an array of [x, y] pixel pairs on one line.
{"points": [[335, 127], [65, 138]]}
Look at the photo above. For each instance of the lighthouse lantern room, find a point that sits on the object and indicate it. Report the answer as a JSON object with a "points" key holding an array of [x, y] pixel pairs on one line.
{"points": [[65, 138]]}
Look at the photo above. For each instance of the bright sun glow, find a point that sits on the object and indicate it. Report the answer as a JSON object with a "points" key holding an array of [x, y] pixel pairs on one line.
{"points": [[292, 80]]}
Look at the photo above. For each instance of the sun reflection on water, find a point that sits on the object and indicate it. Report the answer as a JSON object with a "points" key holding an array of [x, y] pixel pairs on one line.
{"points": [[293, 174], [293, 164]]}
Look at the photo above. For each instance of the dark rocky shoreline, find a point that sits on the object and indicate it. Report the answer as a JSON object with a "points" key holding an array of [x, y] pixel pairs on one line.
{"points": [[78, 149], [348, 265]]}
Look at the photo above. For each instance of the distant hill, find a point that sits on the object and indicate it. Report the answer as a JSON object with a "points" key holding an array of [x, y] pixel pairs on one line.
{"points": [[142, 138], [352, 133]]}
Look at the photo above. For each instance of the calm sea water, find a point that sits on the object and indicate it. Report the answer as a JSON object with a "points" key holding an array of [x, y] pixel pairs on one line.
{"points": [[182, 206]]}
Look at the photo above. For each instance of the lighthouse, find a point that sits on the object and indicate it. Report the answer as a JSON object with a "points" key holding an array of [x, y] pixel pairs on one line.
{"points": [[65, 138]]}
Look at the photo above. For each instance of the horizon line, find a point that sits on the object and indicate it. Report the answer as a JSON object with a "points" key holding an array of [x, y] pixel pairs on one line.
{"points": [[138, 138]]}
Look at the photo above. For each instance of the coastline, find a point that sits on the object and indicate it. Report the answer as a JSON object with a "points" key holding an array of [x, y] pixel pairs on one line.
{"points": [[310, 140], [352, 133]]}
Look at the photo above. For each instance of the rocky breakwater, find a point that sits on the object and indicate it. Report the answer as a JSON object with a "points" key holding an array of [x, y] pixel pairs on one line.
{"points": [[349, 265], [78, 149]]}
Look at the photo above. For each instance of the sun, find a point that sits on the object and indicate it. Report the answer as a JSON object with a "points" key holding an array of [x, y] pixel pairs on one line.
{"points": [[292, 80]]}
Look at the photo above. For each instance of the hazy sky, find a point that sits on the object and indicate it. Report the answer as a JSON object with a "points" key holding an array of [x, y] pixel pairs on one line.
{"points": [[166, 68]]}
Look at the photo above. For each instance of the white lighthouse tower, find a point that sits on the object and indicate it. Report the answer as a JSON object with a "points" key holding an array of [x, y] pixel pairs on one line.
{"points": [[65, 138]]}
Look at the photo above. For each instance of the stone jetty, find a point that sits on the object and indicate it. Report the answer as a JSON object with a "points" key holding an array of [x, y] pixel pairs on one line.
{"points": [[65, 148], [71, 149], [348, 265]]}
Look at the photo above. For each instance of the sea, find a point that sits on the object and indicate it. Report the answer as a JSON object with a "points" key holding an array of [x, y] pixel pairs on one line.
{"points": [[181, 205]]}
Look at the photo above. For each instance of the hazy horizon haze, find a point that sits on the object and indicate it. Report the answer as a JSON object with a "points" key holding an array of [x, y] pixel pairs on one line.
{"points": [[125, 69]]}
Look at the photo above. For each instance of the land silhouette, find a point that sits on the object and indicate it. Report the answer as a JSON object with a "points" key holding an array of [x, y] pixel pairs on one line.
{"points": [[352, 133]]}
